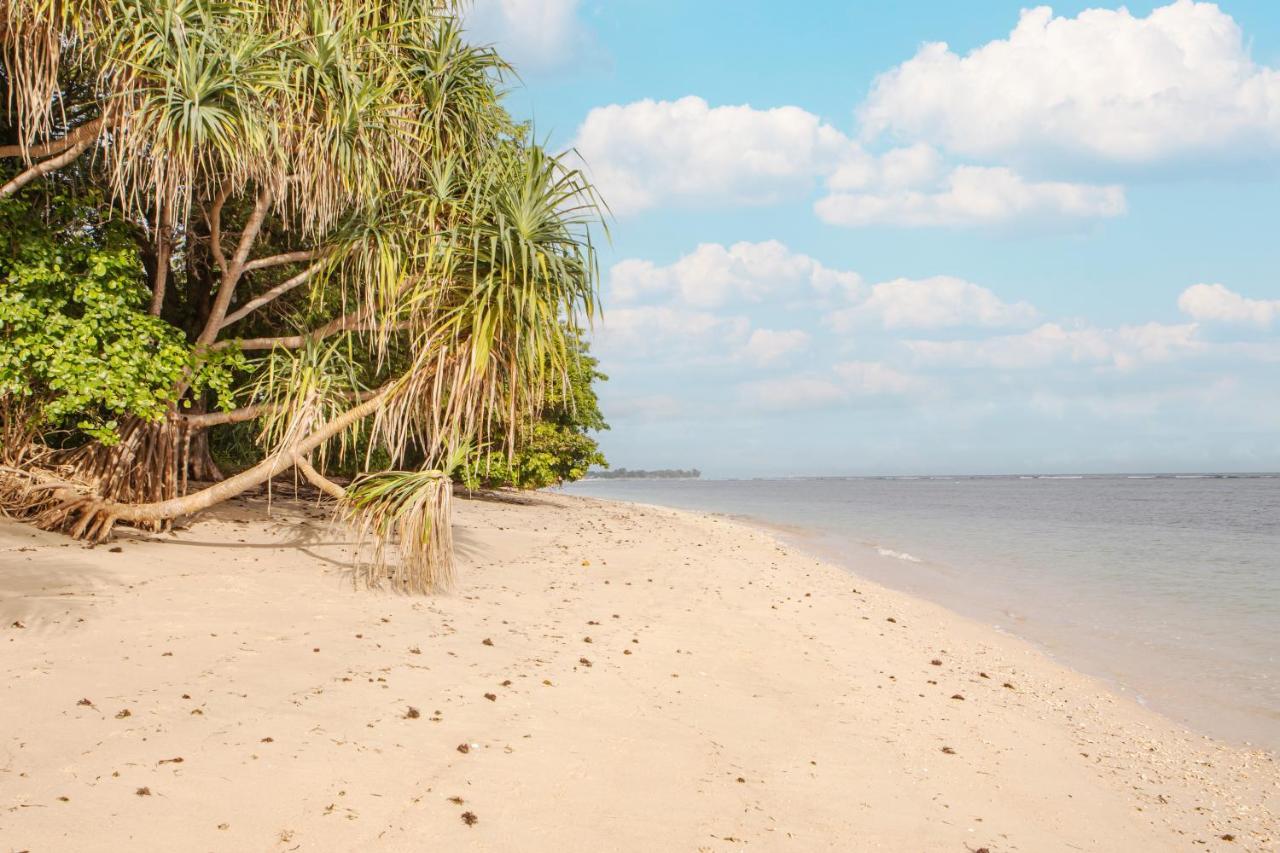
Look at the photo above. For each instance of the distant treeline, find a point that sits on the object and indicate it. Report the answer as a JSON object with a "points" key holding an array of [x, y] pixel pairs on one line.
{"points": [[662, 474]]}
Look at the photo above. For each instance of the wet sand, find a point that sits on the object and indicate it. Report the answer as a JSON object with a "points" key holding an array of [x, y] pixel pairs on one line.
{"points": [[605, 677]]}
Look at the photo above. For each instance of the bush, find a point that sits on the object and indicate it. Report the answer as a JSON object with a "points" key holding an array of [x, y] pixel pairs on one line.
{"points": [[77, 348], [557, 449]]}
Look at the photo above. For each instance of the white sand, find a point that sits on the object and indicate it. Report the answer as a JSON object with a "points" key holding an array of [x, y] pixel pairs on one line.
{"points": [[739, 696]]}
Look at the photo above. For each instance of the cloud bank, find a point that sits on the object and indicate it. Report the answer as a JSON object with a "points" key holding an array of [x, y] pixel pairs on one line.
{"points": [[1104, 86]]}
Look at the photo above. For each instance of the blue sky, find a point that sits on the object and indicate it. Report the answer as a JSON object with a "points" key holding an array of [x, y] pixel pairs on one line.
{"points": [[905, 237]]}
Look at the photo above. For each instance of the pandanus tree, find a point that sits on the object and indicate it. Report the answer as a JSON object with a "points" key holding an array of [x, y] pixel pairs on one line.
{"points": [[332, 207]]}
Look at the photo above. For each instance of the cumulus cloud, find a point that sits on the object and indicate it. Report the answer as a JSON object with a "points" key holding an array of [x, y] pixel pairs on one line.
{"points": [[665, 331], [768, 347], [847, 381], [792, 393], [970, 196], [1105, 85], [647, 152], [713, 275], [533, 35], [644, 407], [931, 303], [873, 378], [1213, 303], [1050, 344]]}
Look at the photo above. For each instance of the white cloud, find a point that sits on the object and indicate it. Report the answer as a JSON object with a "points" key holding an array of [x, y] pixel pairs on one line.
{"points": [[663, 331], [848, 380], [792, 393], [910, 166], [970, 196], [643, 407], [649, 152], [873, 378], [713, 275], [1214, 303], [1124, 348], [1104, 85], [768, 347], [531, 34], [931, 303]]}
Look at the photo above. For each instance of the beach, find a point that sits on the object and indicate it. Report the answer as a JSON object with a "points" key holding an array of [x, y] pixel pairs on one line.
{"points": [[604, 677]]}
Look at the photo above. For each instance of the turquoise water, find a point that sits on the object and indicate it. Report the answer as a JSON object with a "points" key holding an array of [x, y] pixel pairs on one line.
{"points": [[1167, 587]]}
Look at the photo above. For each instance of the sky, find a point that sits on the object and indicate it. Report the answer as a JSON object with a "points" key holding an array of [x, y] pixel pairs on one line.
{"points": [[919, 236]]}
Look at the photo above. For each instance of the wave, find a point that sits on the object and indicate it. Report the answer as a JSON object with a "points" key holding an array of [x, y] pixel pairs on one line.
{"points": [[897, 555]]}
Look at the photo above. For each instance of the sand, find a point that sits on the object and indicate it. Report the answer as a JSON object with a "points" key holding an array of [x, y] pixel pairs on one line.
{"points": [[606, 677]]}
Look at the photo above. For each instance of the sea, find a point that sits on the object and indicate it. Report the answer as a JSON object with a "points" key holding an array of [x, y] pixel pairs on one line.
{"points": [[1165, 586]]}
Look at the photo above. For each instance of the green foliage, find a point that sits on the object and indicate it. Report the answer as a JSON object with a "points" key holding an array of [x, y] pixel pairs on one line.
{"points": [[76, 344], [658, 474], [557, 448]]}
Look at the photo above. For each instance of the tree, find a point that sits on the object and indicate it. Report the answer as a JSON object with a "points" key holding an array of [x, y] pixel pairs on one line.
{"points": [[329, 195], [557, 447]]}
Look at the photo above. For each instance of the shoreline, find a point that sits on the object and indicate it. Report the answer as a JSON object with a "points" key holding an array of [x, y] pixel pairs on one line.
{"points": [[1115, 648], [806, 540], [624, 677]]}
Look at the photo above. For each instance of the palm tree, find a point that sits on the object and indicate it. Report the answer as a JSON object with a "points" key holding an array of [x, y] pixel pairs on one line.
{"points": [[331, 183]]}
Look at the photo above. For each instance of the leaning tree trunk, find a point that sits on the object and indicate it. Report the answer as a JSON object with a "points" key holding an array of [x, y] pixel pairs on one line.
{"points": [[93, 515]]}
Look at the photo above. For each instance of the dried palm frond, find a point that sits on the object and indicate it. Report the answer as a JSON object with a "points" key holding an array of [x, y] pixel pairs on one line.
{"points": [[403, 520]]}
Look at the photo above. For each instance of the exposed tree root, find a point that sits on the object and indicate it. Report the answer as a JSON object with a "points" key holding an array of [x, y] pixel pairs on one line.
{"points": [[403, 516], [147, 465]]}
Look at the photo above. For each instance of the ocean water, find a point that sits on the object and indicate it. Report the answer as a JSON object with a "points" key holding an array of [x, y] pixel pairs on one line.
{"points": [[1168, 587]]}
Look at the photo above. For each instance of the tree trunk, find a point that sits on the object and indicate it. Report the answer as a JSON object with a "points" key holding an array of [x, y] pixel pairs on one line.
{"points": [[199, 459], [93, 516]]}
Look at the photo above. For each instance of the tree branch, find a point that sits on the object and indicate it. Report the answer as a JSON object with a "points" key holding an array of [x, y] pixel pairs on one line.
{"points": [[277, 291], [232, 486], [164, 248], [287, 258], [231, 275], [317, 479], [249, 413], [215, 226], [44, 167], [88, 130], [345, 323]]}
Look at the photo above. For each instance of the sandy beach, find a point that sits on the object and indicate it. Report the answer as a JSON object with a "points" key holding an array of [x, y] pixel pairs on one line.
{"points": [[605, 677]]}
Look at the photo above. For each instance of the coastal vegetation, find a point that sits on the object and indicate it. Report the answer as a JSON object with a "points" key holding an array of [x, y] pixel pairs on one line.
{"points": [[293, 237], [659, 474]]}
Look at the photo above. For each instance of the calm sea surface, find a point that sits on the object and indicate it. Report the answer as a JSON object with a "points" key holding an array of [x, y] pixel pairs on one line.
{"points": [[1167, 587]]}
